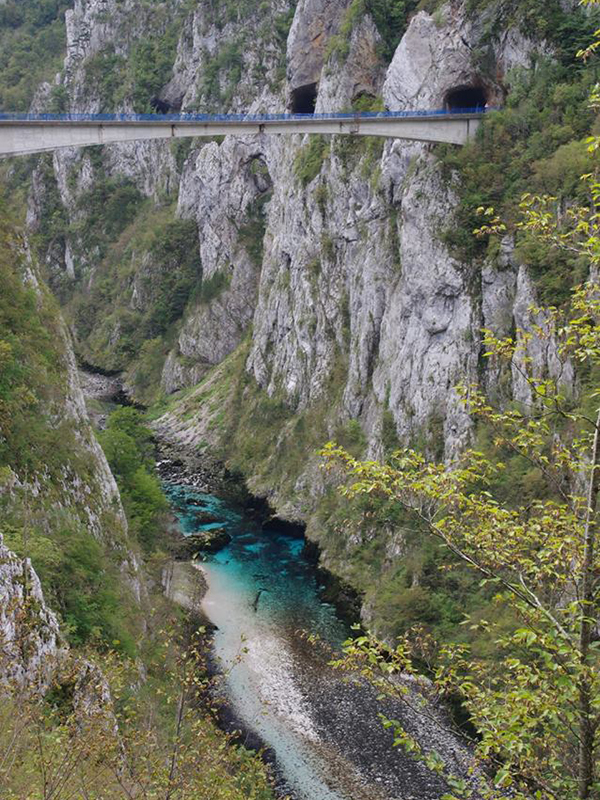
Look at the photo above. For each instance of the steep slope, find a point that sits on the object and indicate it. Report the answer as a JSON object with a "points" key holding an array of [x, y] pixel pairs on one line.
{"points": [[60, 503], [29, 632], [32, 43], [88, 679]]}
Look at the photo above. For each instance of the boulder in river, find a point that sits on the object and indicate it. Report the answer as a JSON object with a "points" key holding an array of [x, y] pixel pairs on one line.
{"points": [[194, 501], [204, 517], [209, 541]]}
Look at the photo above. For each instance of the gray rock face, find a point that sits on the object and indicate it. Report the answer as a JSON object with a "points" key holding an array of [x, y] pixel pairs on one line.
{"points": [[430, 323], [97, 27], [315, 22], [30, 644], [541, 349], [33, 652], [337, 272], [223, 188], [436, 55], [229, 62], [361, 74]]}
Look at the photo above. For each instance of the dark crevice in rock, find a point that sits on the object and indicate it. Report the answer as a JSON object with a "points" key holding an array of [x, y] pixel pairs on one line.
{"points": [[346, 600], [164, 106], [283, 526], [94, 369]]}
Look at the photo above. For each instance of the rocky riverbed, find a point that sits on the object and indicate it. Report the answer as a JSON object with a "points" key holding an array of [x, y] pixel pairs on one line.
{"points": [[323, 731]]}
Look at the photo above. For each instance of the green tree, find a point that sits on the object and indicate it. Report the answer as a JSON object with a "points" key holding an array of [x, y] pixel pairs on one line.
{"points": [[127, 443], [536, 707]]}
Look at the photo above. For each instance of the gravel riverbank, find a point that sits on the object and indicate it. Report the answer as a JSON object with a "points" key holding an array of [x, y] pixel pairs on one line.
{"points": [[321, 731]]}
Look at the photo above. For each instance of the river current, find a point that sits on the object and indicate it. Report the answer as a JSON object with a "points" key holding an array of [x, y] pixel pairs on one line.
{"points": [[263, 593]]}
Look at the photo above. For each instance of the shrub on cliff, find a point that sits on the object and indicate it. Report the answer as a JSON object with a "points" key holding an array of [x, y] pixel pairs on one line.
{"points": [[533, 707], [127, 445]]}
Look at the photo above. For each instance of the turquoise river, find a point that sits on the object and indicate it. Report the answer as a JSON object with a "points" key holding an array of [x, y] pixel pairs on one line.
{"points": [[262, 594]]}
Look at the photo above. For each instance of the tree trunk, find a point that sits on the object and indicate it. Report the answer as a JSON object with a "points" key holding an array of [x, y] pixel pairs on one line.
{"points": [[586, 723], [173, 768]]}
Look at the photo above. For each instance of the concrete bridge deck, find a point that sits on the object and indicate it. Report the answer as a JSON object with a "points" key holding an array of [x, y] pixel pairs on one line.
{"points": [[24, 134]]}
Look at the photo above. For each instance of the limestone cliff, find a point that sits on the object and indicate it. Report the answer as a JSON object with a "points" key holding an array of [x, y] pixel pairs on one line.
{"points": [[326, 291], [33, 653], [30, 644]]}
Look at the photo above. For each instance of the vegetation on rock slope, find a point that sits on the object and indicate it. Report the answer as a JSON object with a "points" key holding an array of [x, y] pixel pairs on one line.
{"points": [[45, 454], [32, 43], [147, 728], [535, 142], [534, 704]]}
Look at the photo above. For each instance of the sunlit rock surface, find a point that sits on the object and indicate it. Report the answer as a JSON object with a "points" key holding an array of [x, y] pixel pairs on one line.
{"points": [[332, 282], [30, 643]]}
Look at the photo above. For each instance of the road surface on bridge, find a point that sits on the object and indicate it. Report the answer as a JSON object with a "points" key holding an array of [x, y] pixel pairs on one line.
{"points": [[24, 134]]}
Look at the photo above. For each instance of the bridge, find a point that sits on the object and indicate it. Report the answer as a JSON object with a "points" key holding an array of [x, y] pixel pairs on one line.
{"points": [[24, 134]]}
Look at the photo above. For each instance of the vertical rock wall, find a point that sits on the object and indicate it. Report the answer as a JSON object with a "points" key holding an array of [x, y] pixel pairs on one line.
{"points": [[330, 257], [30, 643]]}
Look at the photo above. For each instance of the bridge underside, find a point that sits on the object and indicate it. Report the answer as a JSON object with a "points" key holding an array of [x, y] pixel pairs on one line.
{"points": [[27, 137]]}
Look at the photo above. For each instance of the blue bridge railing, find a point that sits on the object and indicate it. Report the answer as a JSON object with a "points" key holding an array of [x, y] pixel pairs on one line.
{"points": [[174, 118]]}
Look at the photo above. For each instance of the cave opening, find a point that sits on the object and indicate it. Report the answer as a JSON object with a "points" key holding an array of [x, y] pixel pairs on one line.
{"points": [[304, 99], [162, 106], [463, 97]]}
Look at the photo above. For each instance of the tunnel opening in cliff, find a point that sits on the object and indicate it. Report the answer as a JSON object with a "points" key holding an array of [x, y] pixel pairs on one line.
{"points": [[463, 97], [161, 106], [304, 99]]}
